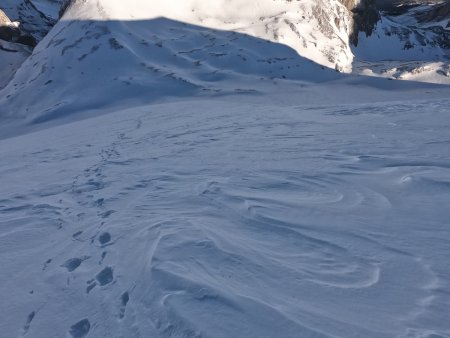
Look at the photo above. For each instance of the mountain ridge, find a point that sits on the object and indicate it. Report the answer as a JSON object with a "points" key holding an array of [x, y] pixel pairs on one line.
{"points": [[341, 24], [182, 60]]}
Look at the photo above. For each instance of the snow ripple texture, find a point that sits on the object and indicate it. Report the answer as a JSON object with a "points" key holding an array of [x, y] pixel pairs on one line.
{"points": [[215, 219]]}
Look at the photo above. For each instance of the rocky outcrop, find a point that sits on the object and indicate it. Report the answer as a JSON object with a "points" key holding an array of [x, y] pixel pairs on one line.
{"points": [[10, 31], [4, 20], [365, 17]]}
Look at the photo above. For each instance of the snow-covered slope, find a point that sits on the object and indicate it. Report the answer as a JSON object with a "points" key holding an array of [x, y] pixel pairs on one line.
{"points": [[179, 169], [317, 30], [144, 52], [322, 31], [12, 55], [153, 51], [230, 217]]}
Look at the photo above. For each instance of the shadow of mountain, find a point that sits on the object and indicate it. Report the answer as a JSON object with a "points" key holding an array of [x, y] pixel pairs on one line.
{"points": [[103, 65]]}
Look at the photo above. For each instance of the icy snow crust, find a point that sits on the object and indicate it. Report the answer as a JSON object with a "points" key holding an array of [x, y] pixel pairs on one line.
{"points": [[267, 198]]}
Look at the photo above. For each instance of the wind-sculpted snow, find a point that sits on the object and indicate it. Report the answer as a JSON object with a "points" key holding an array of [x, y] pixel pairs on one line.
{"points": [[263, 196], [217, 219]]}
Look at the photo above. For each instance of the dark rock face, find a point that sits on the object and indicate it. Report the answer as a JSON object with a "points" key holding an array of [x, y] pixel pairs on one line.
{"points": [[365, 17], [27, 40], [9, 33], [388, 5]]}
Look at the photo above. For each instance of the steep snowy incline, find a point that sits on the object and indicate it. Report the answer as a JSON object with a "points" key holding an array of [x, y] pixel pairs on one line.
{"points": [[321, 31], [115, 54], [317, 30], [223, 218], [159, 50]]}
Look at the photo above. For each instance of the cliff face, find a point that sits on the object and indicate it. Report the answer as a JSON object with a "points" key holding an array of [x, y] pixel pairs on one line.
{"points": [[4, 20], [368, 13], [8, 30], [365, 16]]}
